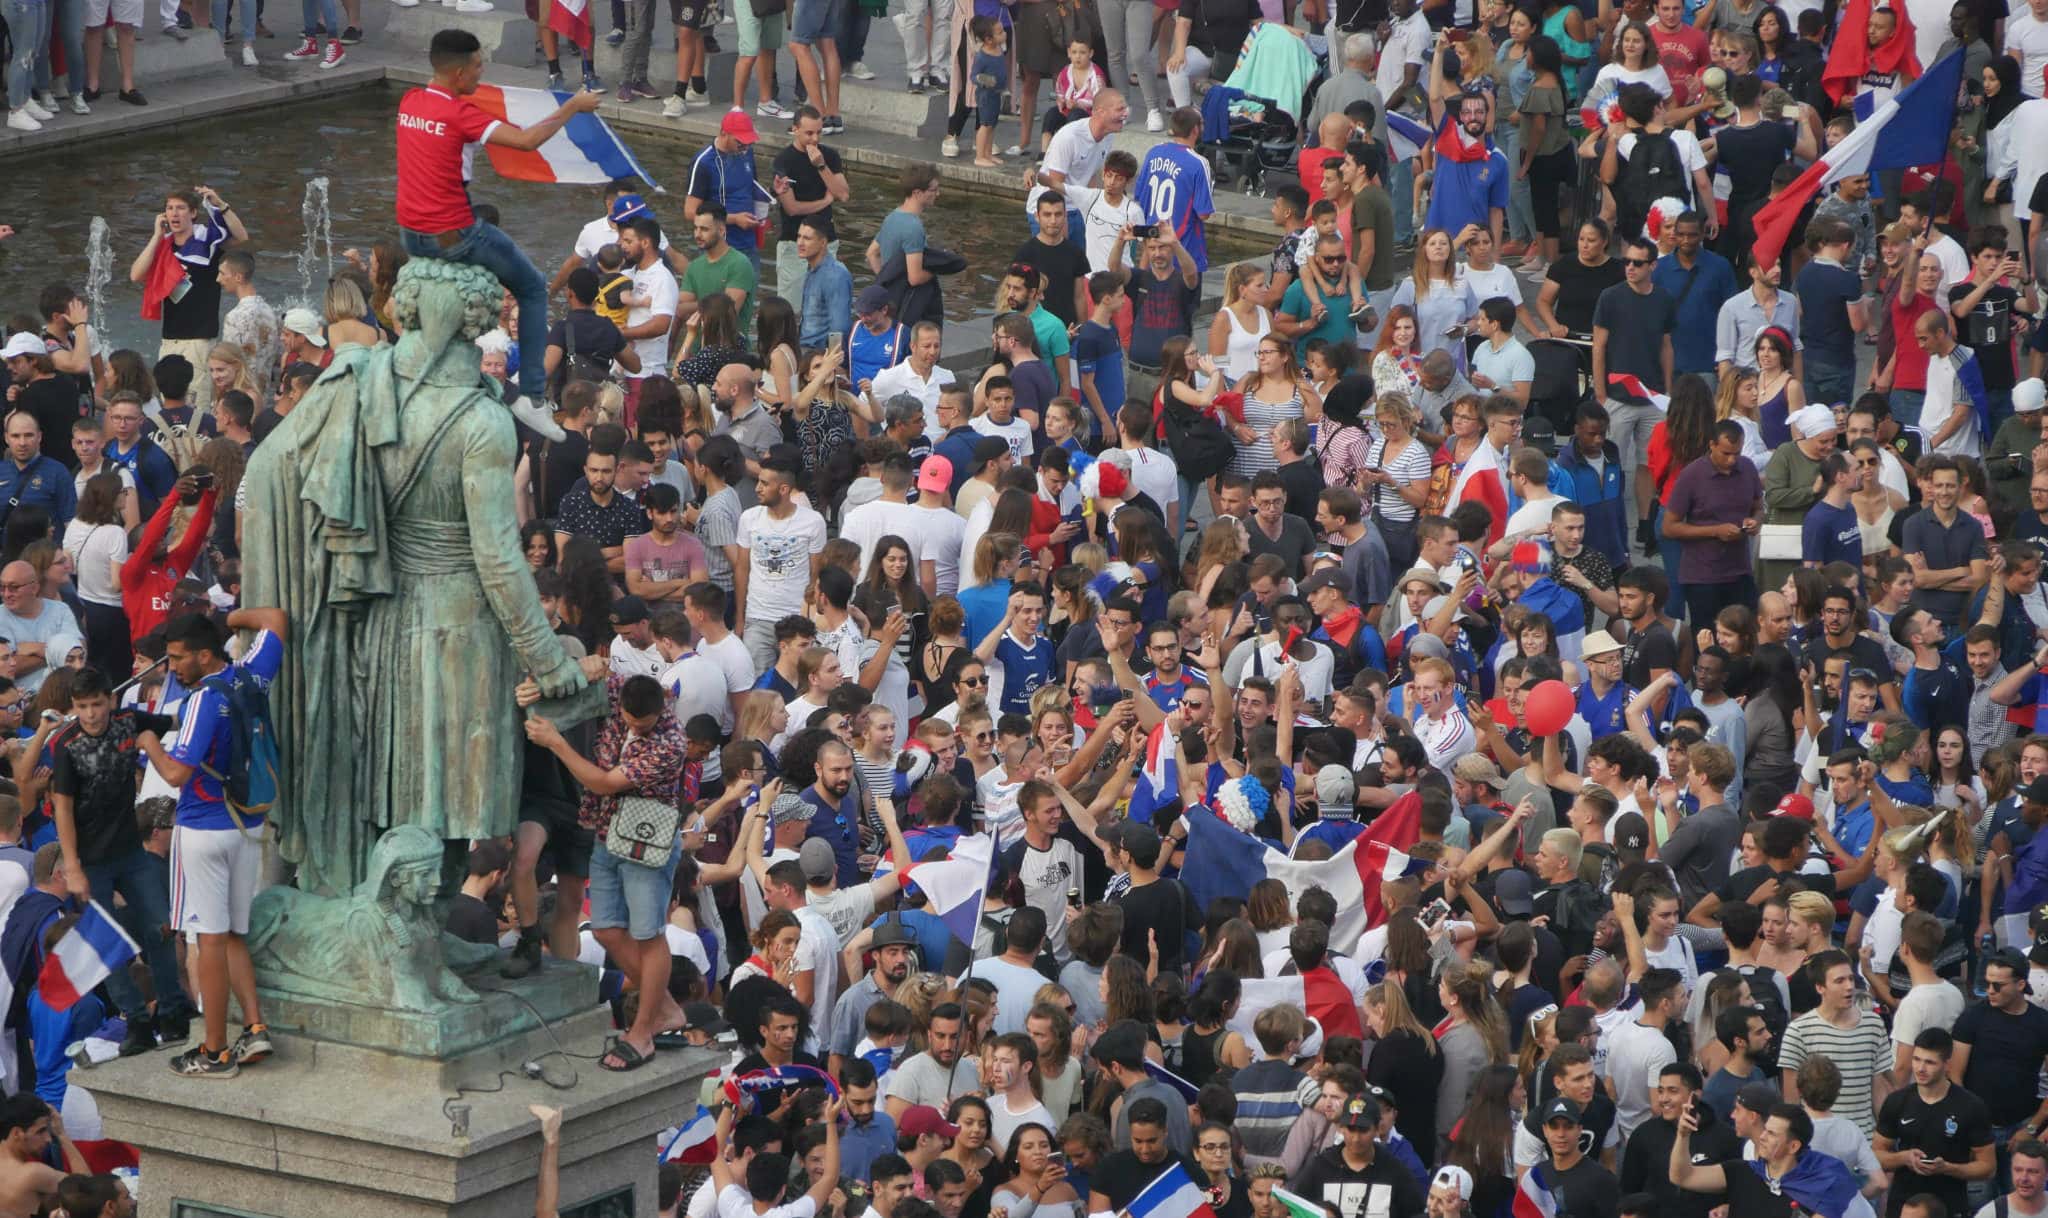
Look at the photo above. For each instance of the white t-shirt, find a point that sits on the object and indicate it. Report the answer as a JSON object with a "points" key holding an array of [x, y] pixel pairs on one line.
{"points": [[1612, 77], [779, 552], [1155, 474], [817, 953], [1943, 402], [655, 282], [1635, 1054], [1532, 515], [1016, 433], [1924, 1007], [737, 1202], [599, 233], [902, 378], [1075, 153], [630, 661], [1955, 265], [1002, 1122], [999, 803], [867, 524], [1016, 984], [942, 528], [2027, 40], [1446, 739], [96, 551], [1101, 221], [1881, 931], [1406, 44], [1495, 280]]}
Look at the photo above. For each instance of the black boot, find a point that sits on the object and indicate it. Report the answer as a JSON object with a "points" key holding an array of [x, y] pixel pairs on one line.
{"points": [[141, 1036], [525, 956]]}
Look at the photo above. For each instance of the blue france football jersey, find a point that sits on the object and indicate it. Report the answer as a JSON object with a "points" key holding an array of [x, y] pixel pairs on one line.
{"points": [[1173, 189]]}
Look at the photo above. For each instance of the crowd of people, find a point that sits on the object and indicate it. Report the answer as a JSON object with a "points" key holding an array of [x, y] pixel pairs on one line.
{"points": [[1639, 767]]}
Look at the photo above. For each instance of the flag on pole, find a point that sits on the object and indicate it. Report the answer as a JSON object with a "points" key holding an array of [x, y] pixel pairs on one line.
{"points": [[1172, 1195], [955, 884], [87, 954], [1909, 129], [585, 150]]}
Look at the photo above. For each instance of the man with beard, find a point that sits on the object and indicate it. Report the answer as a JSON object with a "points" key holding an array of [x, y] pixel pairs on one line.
{"points": [[780, 548], [1353, 1177], [851, 908], [939, 1075], [1471, 185], [1648, 1153], [1785, 1178], [598, 511], [653, 305], [893, 949], [1568, 1074]]}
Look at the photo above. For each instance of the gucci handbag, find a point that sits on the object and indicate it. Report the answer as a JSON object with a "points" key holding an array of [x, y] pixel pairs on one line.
{"points": [[643, 831]]}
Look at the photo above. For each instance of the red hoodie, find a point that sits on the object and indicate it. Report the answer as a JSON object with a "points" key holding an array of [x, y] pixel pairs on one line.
{"points": [[146, 583]]}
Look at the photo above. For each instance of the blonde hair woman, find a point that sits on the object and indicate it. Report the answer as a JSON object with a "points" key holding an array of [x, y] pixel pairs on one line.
{"points": [[1396, 478], [227, 368], [344, 307], [1239, 325], [1736, 399]]}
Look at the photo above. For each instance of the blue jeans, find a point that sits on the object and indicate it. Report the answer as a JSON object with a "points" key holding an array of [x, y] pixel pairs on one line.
{"points": [[321, 14], [1828, 383], [628, 894], [30, 67], [220, 19], [1668, 552], [71, 29], [1906, 404], [1401, 184], [143, 882], [484, 245]]}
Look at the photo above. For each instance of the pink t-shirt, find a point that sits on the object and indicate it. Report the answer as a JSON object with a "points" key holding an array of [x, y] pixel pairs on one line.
{"points": [[660, 564]]}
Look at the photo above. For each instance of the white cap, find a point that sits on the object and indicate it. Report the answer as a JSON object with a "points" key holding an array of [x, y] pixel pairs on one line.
{"points": [[306, 324], [1450, 1175], [1810, 421], [22, 344], [2029, 395]]}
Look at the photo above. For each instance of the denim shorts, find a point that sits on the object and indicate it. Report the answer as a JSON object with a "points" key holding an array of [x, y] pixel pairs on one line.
{"points": [[630, 895], [816, 20]]}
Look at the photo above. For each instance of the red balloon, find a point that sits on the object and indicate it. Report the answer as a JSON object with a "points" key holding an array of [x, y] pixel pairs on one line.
{"points": [[1549, 707], [1502, 716]]}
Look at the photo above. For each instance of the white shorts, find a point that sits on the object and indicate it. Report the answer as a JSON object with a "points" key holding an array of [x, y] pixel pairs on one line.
{"points": [[214, 877], [122, 12]]}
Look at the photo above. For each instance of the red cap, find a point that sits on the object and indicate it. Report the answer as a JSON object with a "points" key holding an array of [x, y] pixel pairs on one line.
{"points": [[920, 1119], [737, 125], [1795, 805], [935, 475]]}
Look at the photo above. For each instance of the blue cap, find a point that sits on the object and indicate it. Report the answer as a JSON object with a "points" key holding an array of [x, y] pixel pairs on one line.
{"points": [[625, 207]]}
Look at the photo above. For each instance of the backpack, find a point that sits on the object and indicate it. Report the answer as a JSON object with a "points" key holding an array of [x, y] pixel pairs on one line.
{"points": [[1654, 170], [249, 786]]}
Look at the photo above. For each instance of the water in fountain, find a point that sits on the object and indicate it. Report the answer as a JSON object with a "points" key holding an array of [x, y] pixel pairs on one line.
{"points": [[318, 251], [99, 271]]}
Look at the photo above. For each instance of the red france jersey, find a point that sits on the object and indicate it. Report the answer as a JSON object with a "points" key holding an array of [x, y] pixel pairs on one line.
{"points": [[438, 135]]}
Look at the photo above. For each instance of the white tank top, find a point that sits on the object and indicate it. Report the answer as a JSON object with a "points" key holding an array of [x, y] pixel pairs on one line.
{"points": [[1241, 353]]}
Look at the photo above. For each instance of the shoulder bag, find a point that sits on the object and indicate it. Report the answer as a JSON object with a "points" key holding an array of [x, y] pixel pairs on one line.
{"points": [[643, 831]]}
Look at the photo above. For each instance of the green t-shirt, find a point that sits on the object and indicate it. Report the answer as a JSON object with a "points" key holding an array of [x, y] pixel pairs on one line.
{"points": [[706, 278], [1373, 209], [1051, 333], [1336, 328]]}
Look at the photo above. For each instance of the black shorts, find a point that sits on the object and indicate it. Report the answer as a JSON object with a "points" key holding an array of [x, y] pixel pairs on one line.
{"points": [[569, 844], [694, 14]]}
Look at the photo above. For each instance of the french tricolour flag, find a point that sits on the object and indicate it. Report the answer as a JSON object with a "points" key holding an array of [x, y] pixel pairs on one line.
{"points": [[692, 1143], [571, 19], [1533, 1198], [954, 885], [1158, 784], [1407, 136], [1172, 1195], [1483, 479], [1320, 993], [1629, 388], [585, 149], [1220, 861], [1911, 128], [87, 954]]}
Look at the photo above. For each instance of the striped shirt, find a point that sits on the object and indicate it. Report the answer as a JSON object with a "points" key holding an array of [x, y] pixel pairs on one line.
{"points": [[1860, 1051]]}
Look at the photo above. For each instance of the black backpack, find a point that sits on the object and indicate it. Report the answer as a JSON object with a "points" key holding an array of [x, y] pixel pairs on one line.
{"points": [[1654, 170]]}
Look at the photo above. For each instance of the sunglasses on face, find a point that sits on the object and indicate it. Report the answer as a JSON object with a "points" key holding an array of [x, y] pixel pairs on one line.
{"points": [[1638, 262]]}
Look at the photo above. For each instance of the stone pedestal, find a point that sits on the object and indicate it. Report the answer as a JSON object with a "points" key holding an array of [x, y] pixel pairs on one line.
{"points": [[327, 1129], [506, 34]]}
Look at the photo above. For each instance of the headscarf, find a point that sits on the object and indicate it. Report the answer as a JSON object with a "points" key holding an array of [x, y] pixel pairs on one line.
{"points": [[2009, 96]]}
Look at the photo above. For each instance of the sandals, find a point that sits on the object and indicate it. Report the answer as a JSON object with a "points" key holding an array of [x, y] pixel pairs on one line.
{"points": [[626, 1053]]}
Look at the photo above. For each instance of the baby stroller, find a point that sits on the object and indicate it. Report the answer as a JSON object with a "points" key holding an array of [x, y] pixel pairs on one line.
{"points": [[1563, 373], [1270, 86]]}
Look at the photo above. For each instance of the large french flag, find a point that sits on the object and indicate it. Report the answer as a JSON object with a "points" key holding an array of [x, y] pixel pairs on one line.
{"points": [[1407, 136], [585, 150], [1483, 479], [1220, 861], [1173, 1195], [954, 885], [1320, 993], [1909, 129], [87, 954]]}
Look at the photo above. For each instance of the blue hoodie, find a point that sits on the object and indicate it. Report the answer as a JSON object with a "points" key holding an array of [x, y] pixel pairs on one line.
{"points": [[1601, 494]]}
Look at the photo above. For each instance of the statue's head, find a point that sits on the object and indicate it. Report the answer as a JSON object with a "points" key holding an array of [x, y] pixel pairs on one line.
{"points": [[439, 304], [405, 865]]}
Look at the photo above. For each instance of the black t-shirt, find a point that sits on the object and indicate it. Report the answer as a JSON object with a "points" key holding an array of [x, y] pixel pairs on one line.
{"points": [[1165, 909], [1988, 331], [1637, 323], [1588, 1190], [556, 465], [1578, 289], [471, 921], [1862, 652], [1751, 1197], [53, 401], [1752, 155], [198, 314], [1296, 541], [99, 774], [586, 334], [1744, 881], [2004, 1049], [805, 182], [1061, 265], [1643, 651], [1383, 1187], [1948, 1130], [1121, 1176]]}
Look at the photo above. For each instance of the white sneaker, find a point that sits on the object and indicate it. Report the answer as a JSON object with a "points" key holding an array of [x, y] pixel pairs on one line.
{"points": [[1155, 121], [474, 6], [536, 416], [860, 71], [47, 101], [249, 53], [951, 146], [78, 105], [22, 120], [38, 111], [674, 107], [406, 3]]}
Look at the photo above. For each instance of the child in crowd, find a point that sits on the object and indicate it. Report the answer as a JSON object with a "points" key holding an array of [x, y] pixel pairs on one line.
{"points": [[888, 1033], [991, 77], [1315, 282], [615, 296], [1074, 89]]}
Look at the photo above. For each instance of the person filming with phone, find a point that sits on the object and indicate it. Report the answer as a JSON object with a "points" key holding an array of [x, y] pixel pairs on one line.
{"points": [[155, 565]]}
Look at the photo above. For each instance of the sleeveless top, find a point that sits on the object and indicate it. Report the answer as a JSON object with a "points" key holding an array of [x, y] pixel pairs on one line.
{"points": [[1877, 535], [1241, 355], [1198, 1062], [1771, 418]]}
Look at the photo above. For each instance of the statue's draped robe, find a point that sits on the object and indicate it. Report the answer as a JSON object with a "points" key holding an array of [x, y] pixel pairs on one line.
{"points": [[380, 518]]}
